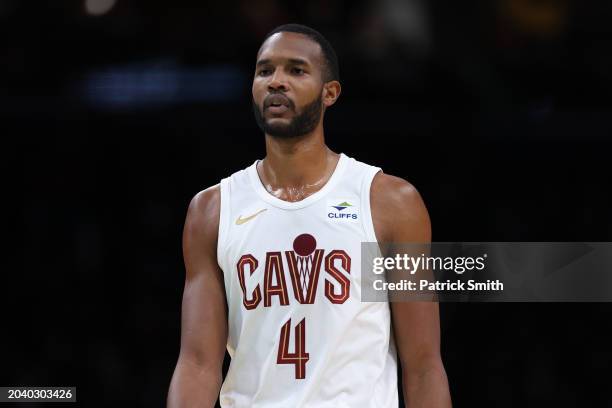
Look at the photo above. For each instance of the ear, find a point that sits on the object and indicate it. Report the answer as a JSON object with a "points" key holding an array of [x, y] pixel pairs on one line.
{"points": [[331, 92]]}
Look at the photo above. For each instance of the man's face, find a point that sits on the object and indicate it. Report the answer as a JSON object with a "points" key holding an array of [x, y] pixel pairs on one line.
{"points": [[288, 85]]}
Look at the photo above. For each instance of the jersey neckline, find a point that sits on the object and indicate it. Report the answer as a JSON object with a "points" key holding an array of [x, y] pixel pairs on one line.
{"points": [[294, 205]]}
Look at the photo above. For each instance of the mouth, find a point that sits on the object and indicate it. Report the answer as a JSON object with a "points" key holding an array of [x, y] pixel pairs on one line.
{"points": [[277, 109], [277, 104]]}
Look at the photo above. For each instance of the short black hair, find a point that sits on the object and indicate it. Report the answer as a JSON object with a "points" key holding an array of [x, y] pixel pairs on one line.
{"points": [[331, 70]]}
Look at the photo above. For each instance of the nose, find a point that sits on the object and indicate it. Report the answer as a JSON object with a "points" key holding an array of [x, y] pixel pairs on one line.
{"points": [[278, 81]]}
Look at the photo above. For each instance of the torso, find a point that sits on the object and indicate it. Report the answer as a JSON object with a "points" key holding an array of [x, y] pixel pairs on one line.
{"points": [[297, 341]]}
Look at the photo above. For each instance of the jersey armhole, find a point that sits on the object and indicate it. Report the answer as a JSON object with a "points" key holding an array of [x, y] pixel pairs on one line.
{"points": [[368, 222], [224, 217]]}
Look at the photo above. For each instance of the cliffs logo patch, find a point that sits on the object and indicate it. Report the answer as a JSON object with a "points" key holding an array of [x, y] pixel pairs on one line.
{"points": [[342, 206], [342, 210]]}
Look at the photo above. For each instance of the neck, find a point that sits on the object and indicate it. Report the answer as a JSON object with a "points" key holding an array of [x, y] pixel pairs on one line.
{"points": [[296, 168]]}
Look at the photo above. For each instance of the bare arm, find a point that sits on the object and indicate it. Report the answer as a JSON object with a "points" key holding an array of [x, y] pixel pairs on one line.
{"points": [[198, 374], [400, 216]]}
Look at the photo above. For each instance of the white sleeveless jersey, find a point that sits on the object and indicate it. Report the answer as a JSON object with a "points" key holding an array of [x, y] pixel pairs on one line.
{"points": [[299, 335]]}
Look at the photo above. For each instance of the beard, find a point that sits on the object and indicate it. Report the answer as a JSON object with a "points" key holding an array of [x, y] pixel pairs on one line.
{"points": [[300, 125]]}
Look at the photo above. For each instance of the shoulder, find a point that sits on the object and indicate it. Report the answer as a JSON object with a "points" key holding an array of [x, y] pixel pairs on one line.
{"points": [[206, 199], [398, 210], [203, 213], [393, 188]]}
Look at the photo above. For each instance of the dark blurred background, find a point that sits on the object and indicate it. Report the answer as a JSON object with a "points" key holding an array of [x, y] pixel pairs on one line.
{"points": [[114, 113]]}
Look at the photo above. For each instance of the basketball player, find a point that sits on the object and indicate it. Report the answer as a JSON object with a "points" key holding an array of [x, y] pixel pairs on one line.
{"points": [[272, 256]]}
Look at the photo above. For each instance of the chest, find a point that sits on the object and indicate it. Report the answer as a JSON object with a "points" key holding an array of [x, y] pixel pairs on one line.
{"points": [[304, 256]]}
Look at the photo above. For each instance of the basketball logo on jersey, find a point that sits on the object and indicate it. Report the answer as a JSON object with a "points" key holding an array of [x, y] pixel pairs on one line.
{"points": [[304, 264], [342, 211]]}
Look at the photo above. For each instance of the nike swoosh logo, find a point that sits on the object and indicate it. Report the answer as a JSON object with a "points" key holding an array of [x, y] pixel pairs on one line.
{"points": [[241, 220]]}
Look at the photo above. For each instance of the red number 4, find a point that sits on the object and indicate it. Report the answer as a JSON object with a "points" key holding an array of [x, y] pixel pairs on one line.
{"points": [[299, 357]]}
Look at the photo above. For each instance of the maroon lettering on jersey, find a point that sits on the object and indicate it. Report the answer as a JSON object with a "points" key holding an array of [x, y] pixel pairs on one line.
{"points": [[345, 283], [304, 264], [274, 268], [251, 261], [299, 357]]}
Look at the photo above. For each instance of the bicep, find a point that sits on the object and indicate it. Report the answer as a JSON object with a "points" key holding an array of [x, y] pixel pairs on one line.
{"points": [[403, 219], [416, 328], [416, 323], [204, 312], [204, 321]]}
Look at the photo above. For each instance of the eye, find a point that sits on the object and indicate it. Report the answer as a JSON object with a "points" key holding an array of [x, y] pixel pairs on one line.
{"points": [[297, 71], [264, 72]]}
